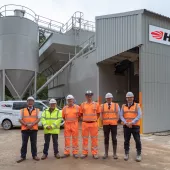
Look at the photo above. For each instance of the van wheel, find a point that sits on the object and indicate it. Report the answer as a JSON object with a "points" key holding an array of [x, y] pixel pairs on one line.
{"points": [[7, 124]]}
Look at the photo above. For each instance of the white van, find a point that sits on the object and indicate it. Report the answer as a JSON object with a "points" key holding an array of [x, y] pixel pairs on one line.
{"points": [[10, 112]]}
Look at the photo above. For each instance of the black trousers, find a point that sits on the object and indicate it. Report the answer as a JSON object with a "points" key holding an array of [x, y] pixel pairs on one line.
{"points": [[33, 138], [47, 138], [135, 131], [107, 129]]}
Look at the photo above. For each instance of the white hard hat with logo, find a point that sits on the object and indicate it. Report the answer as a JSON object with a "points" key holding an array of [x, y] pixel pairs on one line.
{"points": [[108, 95], [53, 101], [70, 97], [129, 94], [30, 98]]}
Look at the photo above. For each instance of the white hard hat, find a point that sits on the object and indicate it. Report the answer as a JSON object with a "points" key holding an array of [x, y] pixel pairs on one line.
{"points": [[108, 95], [30, 98], [53, 101], [129, 94], [70, 97]]}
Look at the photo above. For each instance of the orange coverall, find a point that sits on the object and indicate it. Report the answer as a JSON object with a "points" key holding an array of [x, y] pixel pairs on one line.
{"points": [[70, 115], [90, 113]]}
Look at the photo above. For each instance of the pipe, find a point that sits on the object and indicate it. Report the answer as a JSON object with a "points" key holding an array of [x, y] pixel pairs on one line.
{"points": [[61, 70]]}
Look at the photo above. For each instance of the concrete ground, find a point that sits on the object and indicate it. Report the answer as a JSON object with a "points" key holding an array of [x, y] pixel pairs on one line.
{"points": [[156, 154]]}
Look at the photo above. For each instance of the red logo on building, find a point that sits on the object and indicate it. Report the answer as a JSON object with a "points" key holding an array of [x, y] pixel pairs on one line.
{"points": [[157, 34]]}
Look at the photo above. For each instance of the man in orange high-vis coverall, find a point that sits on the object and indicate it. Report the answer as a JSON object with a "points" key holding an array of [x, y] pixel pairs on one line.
{"points": [[71, 113], [90, 112]]}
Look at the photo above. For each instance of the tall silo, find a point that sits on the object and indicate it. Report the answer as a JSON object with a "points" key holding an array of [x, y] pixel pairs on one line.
{"points": [[18, 53]]}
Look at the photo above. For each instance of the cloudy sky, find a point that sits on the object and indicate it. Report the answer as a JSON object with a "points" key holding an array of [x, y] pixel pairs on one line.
{"points": [[62, 10]]}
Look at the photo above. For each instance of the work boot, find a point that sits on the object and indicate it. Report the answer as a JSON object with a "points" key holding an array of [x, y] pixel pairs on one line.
{"points": [[44, 157], [65, 156], [21, 160], [106, 152], [57, 156], [138, 158], [126, 157], [83, 156], [114, 152], [75, 156], [96, 156], [36, 158]]}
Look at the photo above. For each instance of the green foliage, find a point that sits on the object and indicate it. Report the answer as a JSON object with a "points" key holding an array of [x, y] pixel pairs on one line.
{"points": [[43, 95]]}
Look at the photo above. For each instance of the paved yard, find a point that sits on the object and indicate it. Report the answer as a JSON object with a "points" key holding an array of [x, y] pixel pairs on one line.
{"points": [[156, 154]]}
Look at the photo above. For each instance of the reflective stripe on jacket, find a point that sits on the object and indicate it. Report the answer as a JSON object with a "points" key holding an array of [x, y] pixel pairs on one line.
{"points": [[29, 118], [71, 114], [52, 119], [110, 116], [130, 113], [89, 111]]}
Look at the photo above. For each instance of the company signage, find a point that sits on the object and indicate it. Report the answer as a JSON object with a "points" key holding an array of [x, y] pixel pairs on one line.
{"points": [[159, 35]]}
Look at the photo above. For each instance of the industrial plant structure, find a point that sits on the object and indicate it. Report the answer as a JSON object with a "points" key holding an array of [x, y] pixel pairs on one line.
{"points": [[118, 53]]}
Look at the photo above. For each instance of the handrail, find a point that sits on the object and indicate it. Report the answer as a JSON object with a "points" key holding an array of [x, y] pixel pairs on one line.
{"points": [[76, 21]]}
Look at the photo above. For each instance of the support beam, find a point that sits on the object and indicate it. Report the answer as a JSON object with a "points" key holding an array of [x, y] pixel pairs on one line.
{"points": [[61, 70], [35, 85], [13, 87], [3, 84]]}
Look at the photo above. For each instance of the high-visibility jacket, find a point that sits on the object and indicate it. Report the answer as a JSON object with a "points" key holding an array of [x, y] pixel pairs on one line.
{"points": [[89, 111], [71, 114], [131, 113], [29, 118], [110, 116], [52, 119]]}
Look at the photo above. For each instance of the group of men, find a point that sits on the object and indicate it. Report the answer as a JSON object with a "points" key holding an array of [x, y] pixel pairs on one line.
{"points": [[88, 112]]}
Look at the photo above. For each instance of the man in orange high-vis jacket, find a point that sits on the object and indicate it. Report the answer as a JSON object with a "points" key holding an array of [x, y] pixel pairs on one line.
{"points": [[130, 115], [70, 114], [110, 116], [29, 127], [90, 112]]}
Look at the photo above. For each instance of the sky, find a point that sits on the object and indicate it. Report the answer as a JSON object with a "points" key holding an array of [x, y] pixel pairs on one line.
{"points": [[62, 10]]}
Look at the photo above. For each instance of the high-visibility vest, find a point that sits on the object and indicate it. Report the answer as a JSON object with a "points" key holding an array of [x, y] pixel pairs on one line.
{"points": [[52, 119], [29, 118], [131, 113], [92, 115], [71, 114], [110, 116]]}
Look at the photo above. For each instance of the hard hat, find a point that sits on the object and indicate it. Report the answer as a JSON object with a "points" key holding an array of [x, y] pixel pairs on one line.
{"points": [[129, 94], [89, 92], [30, 98], [70, 97], [108, 95], [53, 101]]}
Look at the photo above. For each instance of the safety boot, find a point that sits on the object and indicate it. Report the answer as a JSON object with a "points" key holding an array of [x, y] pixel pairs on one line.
{"points": [[106, 152], [126, 157], [44, 157], [65, 156], [75, 156], [96, 156], [21, 160], [138, 158], [114, 152], [83, 156], [57, 156]]}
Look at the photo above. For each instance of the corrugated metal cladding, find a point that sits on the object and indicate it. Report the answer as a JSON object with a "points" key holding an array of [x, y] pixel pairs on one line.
{"points": [[116, 34], [155, 76]]}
